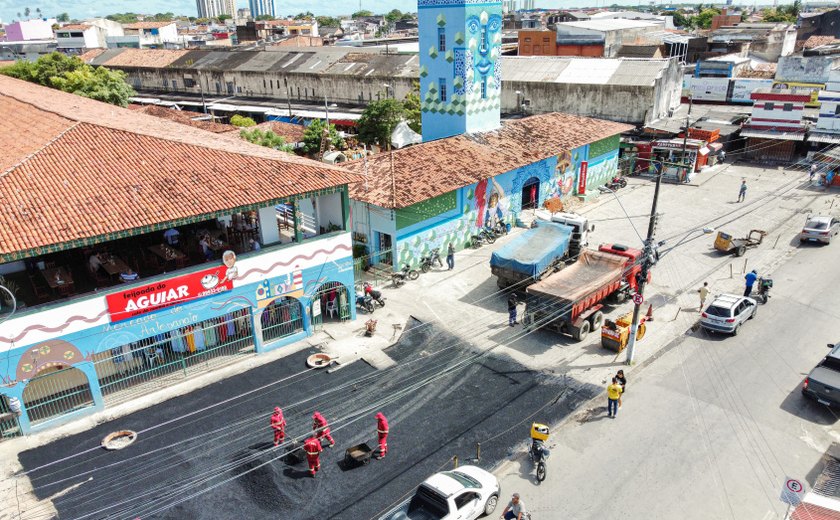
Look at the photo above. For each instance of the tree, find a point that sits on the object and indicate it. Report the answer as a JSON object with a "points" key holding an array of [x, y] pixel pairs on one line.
{"points": [[411, 104], [680, 20], [704, 19], [364, 13], [242, 122], [38, 11], [26, 12], [407, 17], [63, 17], [378, 121], [223, 17], [71, 74], [264, 17], [304, 16], [268, 139], [313, 134], [328, 21], [393, 16], [123, 17]]}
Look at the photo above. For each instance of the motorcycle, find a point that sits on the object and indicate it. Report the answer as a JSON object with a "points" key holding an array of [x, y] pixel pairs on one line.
{"points": [[431, 259], [483, 236], [538, 454], [404, 274], [617, 182], [374, 296], [500, 229], [365, 301], [763, 292]]}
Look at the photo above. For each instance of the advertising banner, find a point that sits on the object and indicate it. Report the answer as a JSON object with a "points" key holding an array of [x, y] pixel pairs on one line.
{"points": [[584, 168]]}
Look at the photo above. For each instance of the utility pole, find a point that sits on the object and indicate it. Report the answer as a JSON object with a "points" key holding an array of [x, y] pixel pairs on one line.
{"points": [[647, 263], [685, 139]]}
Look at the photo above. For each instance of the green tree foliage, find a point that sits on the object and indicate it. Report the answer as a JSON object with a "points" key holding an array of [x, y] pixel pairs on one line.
{"points": [[681, 20], [704, 19], [63, 17], [264, 17], [783, 13], [242, 122], [411, 104], [407, 17], [123, 17], [268, 139], [304, 16], [27, 12], [313, 134], [71, 74], [328, 21], [223, 17], [378, 121], [361, 14], [393, 16]]}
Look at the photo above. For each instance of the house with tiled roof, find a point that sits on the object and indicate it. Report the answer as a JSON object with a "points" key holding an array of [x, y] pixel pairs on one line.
{"points": [[147, 35], [472, 170], [136, 247]]}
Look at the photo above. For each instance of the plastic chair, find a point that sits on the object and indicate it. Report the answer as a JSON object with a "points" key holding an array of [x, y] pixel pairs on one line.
{"points": [[332, 308]]}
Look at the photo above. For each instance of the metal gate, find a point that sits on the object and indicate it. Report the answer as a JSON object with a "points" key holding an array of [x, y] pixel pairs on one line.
{"points": [[283, 317], [331, 302], [9, 426], [127, 371], [56, 393]]}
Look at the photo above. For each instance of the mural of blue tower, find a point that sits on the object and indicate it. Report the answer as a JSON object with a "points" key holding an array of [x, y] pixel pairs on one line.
{"points": [[460, 74]]}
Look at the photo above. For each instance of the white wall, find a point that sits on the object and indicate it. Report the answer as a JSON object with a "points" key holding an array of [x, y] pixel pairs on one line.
{"points": [[782, 118], [269, 231], [329, 210]]}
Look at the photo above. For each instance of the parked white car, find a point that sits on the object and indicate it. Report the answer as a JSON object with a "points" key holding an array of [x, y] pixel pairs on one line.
{"points": [[465, 493], [727, 313]]}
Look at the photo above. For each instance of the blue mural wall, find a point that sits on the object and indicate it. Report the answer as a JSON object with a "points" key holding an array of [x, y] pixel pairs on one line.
{"points": [[460, 70]]}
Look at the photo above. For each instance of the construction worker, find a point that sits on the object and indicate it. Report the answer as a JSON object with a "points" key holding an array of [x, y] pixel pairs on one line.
{"points": [[382, 432], [278, 424], [322, 429], [313, 449]]}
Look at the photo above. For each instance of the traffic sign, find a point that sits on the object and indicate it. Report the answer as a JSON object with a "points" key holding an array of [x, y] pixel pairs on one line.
{"points": [[638, 298], [792, 491]]}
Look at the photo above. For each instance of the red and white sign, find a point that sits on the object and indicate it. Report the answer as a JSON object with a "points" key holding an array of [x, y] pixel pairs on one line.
{"points": [[638, 298], [584, 168], [166, 293]]}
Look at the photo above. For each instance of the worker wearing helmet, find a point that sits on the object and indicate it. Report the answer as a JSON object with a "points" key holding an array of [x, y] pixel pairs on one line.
{"points": [[382, 432], [313, 449], [278, 424], [322, 428]]}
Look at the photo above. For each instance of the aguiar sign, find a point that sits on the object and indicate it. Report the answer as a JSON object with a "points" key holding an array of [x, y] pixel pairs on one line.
{"points": [[166, 293]]}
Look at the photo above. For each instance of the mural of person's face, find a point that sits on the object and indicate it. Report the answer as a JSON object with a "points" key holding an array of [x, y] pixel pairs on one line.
{"points": [[229, 259], [494, 199]]}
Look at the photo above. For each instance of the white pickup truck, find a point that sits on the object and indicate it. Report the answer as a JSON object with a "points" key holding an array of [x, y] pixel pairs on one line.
{"points": [[465, 493]]}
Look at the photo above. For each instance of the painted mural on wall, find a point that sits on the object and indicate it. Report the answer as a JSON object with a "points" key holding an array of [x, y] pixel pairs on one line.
{"points": [[602, 171], [75, 333], [562, 184]]}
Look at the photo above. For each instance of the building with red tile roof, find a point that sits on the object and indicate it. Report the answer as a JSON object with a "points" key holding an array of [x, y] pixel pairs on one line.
{"points": [[154, 244]]}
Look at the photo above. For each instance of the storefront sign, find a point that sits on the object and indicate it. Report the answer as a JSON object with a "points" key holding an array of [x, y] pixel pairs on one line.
{"points": [[166, 293], [584, 168]]}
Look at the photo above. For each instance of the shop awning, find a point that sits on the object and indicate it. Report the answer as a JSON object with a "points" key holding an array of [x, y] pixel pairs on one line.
{"points": [[824, 138], [779, 136]]}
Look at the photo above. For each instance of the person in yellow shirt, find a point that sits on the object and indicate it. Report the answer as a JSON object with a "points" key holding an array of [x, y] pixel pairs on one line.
{"points": [[704, 292], [613, 395]]}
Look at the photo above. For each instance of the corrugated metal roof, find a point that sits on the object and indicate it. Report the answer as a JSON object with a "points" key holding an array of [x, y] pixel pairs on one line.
{"points": [[582, 71], [611, 24]]}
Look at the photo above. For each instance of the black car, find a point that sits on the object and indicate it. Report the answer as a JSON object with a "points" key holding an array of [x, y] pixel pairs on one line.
{"points": [[823, 383]]}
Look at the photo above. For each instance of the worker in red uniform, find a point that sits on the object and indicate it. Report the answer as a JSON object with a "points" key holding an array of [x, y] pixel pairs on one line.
{"points": [[382, 432], [322, 429], [278, 424], [313, 449]]}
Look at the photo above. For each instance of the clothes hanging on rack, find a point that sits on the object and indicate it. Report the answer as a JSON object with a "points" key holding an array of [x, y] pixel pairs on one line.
{"points": [[199, 338]]}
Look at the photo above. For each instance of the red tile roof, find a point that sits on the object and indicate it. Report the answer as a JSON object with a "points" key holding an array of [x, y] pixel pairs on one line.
{"points": [[77, 169], [146, 25], [818, 41], [290, 132], [184, 117], [89, 55], [147, 58], [75, 27], [404, 177], [806, 511]]}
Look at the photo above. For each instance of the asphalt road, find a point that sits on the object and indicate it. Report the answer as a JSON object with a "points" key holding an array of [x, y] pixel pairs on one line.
{"points": [[712, 428], [219, 463]]}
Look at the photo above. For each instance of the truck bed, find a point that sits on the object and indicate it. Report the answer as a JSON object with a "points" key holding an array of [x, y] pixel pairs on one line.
{"points": [[594, 269], [531, 253]]}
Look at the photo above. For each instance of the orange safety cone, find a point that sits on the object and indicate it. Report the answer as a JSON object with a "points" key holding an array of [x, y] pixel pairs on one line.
{"points": [[649, 315]]}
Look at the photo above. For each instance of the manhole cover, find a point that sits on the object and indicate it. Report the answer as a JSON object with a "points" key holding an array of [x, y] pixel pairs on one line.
{"points": [[118, 440], [318, 361]]}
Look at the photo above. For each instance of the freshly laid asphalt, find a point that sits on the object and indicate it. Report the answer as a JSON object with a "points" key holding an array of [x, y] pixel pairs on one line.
{"points": [[218, 463]]}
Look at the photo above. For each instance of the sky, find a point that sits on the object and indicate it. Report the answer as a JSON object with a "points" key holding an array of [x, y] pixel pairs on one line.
{"points": [[92, 8]]}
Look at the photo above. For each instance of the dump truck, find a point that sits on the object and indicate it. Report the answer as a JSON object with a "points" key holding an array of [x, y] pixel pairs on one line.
{"points": [[532, 255], [570, 301], [581, 227]]}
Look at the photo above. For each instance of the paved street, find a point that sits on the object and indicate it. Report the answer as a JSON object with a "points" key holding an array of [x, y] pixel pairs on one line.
{"points": [[710, 429]]}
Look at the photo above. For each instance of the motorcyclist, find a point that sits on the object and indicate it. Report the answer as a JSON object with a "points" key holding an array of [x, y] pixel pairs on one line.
{"points": [[369, 290], [538, 449]]}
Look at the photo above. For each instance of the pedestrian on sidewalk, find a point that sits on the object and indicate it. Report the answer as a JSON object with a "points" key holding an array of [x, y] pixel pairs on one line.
{"points": [[742, 193], [812, 174], [750, 278], [278, 424], [512, 303], [704, 292], [613, 395], [322, 428], [515, 509], [722, 156], [313, 449], [450, 256], [382, 433], [622, 381]]}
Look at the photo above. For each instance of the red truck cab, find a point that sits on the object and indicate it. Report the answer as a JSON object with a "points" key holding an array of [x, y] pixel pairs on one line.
{"points": [[633, 265]]}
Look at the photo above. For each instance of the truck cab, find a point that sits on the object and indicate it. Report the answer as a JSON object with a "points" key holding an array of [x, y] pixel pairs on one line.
{"points": [[580, 225], [632, 267]]}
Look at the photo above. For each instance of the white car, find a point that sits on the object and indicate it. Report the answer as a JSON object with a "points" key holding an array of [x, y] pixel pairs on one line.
{"points": [[727, 313], [465, 493], [819, 228]]}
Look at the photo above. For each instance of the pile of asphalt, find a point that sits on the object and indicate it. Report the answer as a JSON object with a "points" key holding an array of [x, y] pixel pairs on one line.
{"points": [[434, 416]]}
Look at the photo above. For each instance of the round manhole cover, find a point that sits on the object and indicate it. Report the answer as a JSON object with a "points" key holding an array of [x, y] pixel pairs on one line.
{"points": [[119, 440], [318, 361]]}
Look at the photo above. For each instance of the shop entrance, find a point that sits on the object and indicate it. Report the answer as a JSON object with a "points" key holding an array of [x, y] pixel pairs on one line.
{"points": [[56, 391], [331, 303], [384, 249], [531, 193], [283, 317]]}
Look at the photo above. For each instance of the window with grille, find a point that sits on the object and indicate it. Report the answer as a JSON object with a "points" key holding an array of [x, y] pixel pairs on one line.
{"points": [[441, 40], [442, 82]]}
